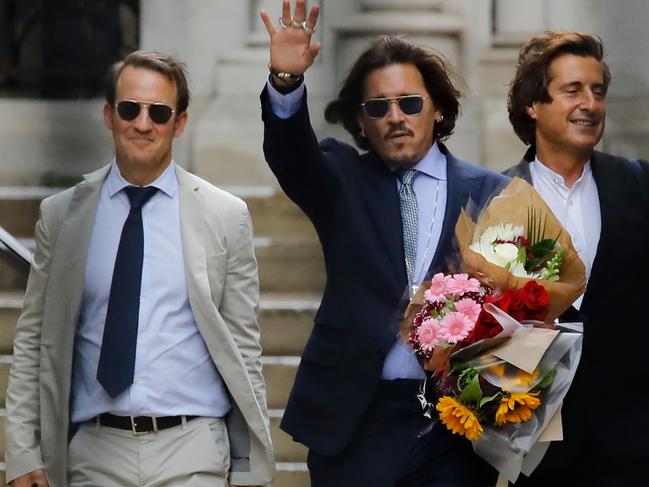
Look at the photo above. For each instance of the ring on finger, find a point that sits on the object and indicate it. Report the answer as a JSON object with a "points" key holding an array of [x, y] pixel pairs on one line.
{"points": [[307, 29], [282, 24], [295, 23]]}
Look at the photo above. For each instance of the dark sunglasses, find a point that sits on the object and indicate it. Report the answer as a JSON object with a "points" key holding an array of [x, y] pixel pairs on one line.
{"points": [[408, 104], [158, 112]]}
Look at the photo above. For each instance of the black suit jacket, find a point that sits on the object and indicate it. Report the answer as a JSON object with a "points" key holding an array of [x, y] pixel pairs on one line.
{"points": [[608, 401], [353, 203]]}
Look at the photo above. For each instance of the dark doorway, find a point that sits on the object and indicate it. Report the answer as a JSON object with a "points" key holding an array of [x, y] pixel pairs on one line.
{"points": [[62, 48]]}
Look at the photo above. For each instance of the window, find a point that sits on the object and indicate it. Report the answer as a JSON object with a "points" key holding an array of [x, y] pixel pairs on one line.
{"points": [[62, 49]]}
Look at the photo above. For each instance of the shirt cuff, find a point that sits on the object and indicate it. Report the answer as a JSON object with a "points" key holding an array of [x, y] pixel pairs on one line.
{"points": [[285, 106]]}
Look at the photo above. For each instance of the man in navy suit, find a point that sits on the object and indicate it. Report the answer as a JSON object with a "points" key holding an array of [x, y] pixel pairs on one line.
{"points": [[385, 219], [557, 107]]}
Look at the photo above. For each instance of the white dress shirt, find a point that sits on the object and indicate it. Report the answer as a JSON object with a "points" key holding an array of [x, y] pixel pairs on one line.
{"points": [[430, 184], [577, 209], [174, 373]]}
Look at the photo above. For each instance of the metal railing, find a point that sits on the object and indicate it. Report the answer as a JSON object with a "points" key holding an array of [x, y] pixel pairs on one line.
{"points": [[11, 246]]}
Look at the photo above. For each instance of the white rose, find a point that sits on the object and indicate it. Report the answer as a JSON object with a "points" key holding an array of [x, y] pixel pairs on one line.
{"points": [[504, 253], [517, 269]]}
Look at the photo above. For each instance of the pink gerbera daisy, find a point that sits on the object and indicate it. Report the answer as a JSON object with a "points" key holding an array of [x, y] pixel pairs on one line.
{"points": [[428, 334], [469, 308], [461, 284], [438, 289], [455, 327]]}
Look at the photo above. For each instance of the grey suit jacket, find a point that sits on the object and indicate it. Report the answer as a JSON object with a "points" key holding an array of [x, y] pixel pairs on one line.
{"points": [[223, 292]]}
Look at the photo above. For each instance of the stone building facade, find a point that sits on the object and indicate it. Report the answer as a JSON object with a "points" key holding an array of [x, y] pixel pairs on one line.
{"points": [[225, 46]]}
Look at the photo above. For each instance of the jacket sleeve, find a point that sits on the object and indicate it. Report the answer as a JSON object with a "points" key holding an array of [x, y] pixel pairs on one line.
{"points": [[305, 169], [238, 308], [23, 453]]}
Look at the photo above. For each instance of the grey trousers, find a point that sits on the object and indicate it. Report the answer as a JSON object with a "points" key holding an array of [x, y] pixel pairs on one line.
{"points": [[194, 454]]}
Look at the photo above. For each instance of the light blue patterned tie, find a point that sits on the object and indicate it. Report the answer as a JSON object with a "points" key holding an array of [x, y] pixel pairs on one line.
{"points": [[408, 204]]}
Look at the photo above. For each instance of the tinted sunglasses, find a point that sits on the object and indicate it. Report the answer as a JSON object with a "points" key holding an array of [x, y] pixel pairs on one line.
{"points": [[158, 112], [408, 104]]}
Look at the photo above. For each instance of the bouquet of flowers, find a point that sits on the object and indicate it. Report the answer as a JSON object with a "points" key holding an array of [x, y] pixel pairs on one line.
{"points": [[500, 373]]}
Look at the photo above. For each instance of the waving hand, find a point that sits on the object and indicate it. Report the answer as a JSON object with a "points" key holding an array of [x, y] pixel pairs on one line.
{"points": [[291, 50]]}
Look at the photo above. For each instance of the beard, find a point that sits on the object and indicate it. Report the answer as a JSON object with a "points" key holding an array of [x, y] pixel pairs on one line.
{"points": [[404, 160]]}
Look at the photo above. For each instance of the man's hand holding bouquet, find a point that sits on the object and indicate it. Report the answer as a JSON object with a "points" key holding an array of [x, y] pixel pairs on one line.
{"points": [[499, 365]]}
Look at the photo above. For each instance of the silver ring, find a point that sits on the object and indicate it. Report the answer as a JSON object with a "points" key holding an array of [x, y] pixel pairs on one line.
{"points": [[295, 23], [307, 29], [282, 24]]}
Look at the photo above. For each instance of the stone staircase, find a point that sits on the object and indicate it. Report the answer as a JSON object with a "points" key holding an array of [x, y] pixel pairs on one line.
{"points": [[291, 276]]}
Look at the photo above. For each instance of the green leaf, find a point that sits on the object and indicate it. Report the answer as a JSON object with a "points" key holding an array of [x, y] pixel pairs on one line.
{"points": [[543, 247], [488, 399], [522, 255], [472, 393], [547, 380]]}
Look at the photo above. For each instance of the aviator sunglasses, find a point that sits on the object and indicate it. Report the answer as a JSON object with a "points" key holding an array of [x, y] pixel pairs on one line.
{"points": [[408, 104], [158, 112]]}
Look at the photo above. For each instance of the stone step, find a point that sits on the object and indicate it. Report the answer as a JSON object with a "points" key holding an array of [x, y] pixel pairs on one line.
{"points": [[19, 207], [272, 212], [285, 321], [5, 366], [3, 413], [291, 475], [286, 450], [279, 373], [13, 275], [290, 265], [10, 306]]}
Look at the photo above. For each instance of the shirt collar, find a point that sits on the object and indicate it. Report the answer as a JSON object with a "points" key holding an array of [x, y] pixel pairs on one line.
{"points": [[547, 173], [167, 182]]}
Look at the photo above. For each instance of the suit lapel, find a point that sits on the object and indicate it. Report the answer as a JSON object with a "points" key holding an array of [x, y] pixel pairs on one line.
{"points": [[608, 193], [73, 240], [460, 185], [192, 229], [379, 188]]}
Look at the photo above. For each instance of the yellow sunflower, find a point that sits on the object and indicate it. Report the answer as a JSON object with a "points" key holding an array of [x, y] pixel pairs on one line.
{"points": [[517, 407], [526, 380], [497, 369], [458, 418]]}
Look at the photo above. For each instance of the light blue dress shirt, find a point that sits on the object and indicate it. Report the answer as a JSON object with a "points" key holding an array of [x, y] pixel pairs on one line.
{"points": [[174, 373], [401, 362]]}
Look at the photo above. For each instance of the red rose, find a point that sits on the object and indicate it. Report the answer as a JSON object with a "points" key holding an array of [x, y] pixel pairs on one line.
{"points": [[535, 299], [485, 327], [510, 302]]}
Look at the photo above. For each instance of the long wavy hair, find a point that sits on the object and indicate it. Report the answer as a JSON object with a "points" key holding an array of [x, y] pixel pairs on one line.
{"points": [[437, 73]]}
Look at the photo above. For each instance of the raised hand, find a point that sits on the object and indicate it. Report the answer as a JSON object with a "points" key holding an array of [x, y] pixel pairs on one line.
{"points": [[291, 50]]}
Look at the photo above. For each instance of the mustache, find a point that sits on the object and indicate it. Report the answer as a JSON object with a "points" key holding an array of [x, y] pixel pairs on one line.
{"points": [[400, 129]]}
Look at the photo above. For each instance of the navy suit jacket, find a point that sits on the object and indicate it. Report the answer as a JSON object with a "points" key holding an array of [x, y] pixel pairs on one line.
{"points": [[608, 401], [353, 202]]}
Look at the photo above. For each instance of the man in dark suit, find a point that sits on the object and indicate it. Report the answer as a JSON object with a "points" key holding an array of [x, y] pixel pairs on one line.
{"points": [[385, 219], [557, 106]]}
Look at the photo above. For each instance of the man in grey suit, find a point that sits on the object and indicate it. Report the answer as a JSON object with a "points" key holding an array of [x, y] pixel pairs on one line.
{"points": [[137, 358]]}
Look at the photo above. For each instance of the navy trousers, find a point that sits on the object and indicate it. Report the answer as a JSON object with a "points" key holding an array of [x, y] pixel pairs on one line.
{"points": [[387, 450]]}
